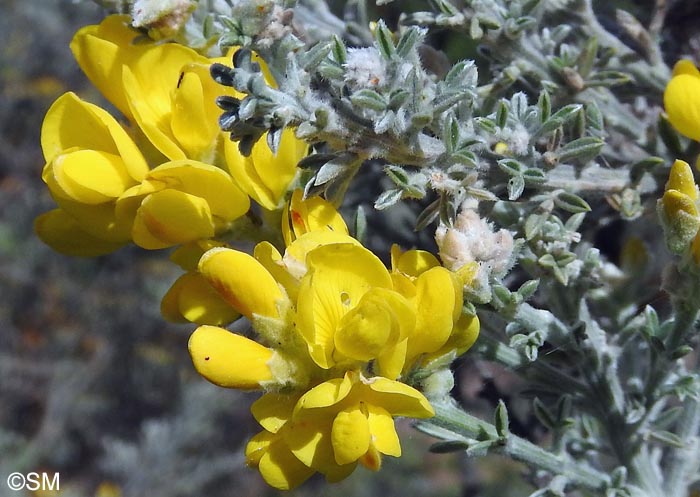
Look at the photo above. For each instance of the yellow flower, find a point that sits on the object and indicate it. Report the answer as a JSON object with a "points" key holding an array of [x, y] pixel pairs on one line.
{"points": [[679, 210], [164, 88], [90, 162], [213, 350], [182, 201], [331, 428], [682, 99], [191, 297], [311, 214], [243, 282], [263, 175]]}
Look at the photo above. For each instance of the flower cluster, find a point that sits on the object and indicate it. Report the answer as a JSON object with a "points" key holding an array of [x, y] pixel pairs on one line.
{"points": [[336, 337], [167, 178], [340, 342]]}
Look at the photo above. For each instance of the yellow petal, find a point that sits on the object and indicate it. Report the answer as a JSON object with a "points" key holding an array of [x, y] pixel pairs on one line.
{"points": [[258, 446], [153, 114], [191, 298], [435, 304], [171, 217], [412, 262], [681, 179], [281, 469], [464, 334], [368, 328], [188, 255], [312, 214], [262, 175], [101, 52], [398, 398], [350, 436], [73, 123], [392, 360], [383, 430], [99, 220], [88, 176], [229, 360], [273, 410], [339, 275], [270, 258], [682, 104], [242, 281], [225, 200], [194, 128], [326, 394], [685, 66], [675, 202], [62, 233], [372, 459]]}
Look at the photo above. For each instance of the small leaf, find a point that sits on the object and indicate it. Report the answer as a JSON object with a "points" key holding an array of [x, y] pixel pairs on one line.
{"points": [[668, 438], [511, 167], [428, 215], [534, 176], [360, 225], [397, 175], [528, 289], [449, 446], [545, 105], [502, 114], [571, 202], [369, 99], [408, 41], [559, 118], [501, 420], [388, 198], [516, 185], [543, 414], [582, 149], [339, 50], [384, 40]]}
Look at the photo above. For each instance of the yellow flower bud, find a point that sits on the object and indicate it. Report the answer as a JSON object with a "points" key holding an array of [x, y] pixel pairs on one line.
{"points": [[230, 360]]}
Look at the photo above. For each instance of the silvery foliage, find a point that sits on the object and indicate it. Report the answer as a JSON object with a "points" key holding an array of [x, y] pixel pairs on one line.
{"points": [[551, 135]]}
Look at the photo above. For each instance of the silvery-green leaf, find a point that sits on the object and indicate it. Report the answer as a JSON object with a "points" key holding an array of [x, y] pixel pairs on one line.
{"points": [[582, 149], [397, 175], [571, 202], [384, 40], [511, 166], [543, 414], [408, 41], [339, 50], [428, 215], [545, 105], [501, 420], [369, 99], [388, 198], [516, 185], [558, 119]]}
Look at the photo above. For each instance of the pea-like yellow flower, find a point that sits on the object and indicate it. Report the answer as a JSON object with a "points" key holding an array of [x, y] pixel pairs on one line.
{"points": [[90, 163], [331, 428], [682, 99], [165, 88], [183, 201], [312, 214], [191, 297], [678, 209], [265, 176], [230, 360]]}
